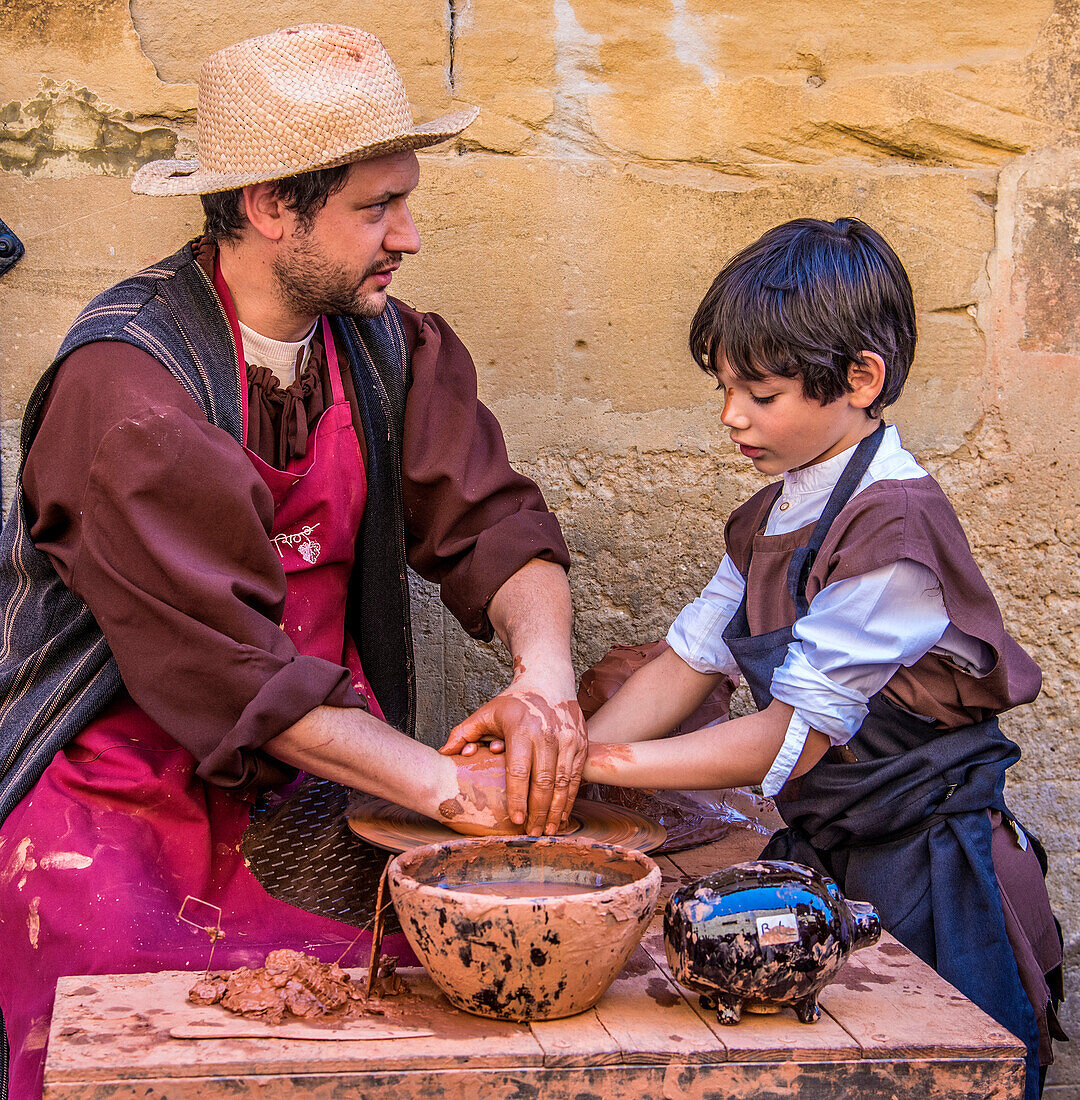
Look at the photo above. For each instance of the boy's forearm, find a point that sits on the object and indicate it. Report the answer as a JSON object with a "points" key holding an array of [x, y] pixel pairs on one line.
{"points": [[653, 701], [737, 753]]}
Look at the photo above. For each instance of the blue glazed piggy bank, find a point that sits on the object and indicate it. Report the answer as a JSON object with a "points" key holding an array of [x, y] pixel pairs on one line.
{"points": [[762, 935]]}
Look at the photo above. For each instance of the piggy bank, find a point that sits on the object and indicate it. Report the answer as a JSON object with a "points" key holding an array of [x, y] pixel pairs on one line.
{"points": [[762, 935]]}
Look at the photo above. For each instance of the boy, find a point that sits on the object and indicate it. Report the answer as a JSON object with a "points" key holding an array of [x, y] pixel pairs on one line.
{"points": [[849, 601]]}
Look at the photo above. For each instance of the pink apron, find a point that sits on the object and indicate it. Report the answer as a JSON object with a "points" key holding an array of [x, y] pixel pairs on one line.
{"points": [[95, 863]]}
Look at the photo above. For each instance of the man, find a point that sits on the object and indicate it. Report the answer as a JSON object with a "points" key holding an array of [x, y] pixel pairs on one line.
{"points": [[203, 573]]}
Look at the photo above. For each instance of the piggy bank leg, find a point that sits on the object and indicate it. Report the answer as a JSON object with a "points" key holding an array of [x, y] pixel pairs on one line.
{"points": [[728, 1009], [807, 1009]]}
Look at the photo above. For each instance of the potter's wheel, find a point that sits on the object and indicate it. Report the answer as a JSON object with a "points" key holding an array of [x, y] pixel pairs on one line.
{"points": [[397, 829]]}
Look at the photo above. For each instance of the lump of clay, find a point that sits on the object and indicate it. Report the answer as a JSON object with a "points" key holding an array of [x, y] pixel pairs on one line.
{"points": [[294, 984], [482, 785]]}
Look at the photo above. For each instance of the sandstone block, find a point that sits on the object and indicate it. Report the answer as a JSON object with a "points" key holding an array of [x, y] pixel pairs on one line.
{"points": [[81, 236], [597, 271], [749, 84], [66, 41], [178, 35]]}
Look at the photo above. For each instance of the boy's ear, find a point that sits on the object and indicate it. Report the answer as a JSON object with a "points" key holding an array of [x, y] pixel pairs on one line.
{"points": [[866, 376]]}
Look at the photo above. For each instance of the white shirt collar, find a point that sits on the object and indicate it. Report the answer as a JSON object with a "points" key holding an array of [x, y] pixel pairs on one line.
{"points": [[821, 477], [278, 356]]}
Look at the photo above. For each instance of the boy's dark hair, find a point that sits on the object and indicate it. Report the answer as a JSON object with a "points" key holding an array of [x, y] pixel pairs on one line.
{"points": [[803, 301], [305, 195]]}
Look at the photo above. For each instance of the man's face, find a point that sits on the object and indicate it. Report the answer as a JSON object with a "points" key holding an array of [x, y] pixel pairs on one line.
{"points": [[343, 261]]}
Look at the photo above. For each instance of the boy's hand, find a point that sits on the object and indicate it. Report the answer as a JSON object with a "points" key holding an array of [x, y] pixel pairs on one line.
{"points": [[545, 749]]}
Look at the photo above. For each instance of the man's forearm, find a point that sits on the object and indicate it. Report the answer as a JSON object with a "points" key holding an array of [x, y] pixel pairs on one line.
{"points": [[537, 716], [533, 616], [351, 747]]}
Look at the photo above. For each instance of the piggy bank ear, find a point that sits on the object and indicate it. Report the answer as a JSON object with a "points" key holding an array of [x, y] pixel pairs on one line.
{"points": [[867, 924]]}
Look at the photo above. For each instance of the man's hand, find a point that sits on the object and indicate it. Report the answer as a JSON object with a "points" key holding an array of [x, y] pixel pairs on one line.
{"points": [[545, 749], [537, 717]]}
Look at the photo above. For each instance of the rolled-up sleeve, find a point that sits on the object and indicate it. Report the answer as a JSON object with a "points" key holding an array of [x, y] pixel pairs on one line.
{"points": [[472, 520], [696, 635], [159, 523], [848, 646]]}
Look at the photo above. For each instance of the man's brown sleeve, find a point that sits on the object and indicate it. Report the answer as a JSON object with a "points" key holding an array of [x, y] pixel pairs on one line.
{"points": [[159, 523], [472, 520]]}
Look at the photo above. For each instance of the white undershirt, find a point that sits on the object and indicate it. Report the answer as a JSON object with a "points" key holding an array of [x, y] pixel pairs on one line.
{"points": [[856, 634], [278, 356]]}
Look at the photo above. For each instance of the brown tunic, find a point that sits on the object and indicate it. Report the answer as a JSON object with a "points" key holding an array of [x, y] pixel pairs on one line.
{"points": [[159, 522], [888, 522]]}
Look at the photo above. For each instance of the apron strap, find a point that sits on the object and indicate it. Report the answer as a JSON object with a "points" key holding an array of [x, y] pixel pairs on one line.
{"points": [[802, 560], [336, 387]]}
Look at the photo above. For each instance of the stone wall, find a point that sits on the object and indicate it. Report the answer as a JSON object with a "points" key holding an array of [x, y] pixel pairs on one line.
{"points": [[623, 152]]}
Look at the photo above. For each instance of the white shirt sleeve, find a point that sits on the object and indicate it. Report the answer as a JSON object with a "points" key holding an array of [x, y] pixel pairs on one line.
{"points": [[696, 634], [847, 647]]}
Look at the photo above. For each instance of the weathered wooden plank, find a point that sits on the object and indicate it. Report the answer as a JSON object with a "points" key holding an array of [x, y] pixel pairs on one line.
{"points": [[117, 1027], [650, 1020], [866, 1079], [895, 1006], [580, 1040], [672, 879], [755, 1038], [738, 846]]}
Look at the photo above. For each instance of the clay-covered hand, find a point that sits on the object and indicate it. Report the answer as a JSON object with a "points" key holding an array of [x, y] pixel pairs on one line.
{"points": [[546, 746], [478, 807]]}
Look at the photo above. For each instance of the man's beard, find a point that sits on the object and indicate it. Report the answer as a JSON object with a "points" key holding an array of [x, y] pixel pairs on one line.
{"points": [[310, 286]]}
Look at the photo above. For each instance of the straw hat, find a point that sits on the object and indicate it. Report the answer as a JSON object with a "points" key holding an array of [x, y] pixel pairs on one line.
{"points": [[307, 97]]}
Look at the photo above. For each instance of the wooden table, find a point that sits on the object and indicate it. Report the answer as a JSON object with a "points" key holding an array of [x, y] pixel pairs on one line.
{"points": [[890, 1027]]}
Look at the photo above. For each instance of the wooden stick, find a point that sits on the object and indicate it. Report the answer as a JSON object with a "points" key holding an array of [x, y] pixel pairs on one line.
{"points": [[377, 934]]}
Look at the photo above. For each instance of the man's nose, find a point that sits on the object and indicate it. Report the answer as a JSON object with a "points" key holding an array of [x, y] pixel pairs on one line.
{"points": [[402, 235]]}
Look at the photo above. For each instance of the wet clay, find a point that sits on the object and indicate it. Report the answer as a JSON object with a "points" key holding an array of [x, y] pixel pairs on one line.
{"points": [[603, 755], [292, 984], [480, 807]]}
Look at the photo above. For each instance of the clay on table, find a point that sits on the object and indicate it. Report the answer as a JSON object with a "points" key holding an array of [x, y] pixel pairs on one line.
{"points": [[293, 984]]}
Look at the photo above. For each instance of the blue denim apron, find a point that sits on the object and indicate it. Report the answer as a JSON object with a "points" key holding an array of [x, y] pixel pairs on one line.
{"points": [[899, 816]]}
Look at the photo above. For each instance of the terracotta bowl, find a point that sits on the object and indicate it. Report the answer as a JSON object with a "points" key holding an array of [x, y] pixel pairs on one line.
{"points": [[524, 929]]}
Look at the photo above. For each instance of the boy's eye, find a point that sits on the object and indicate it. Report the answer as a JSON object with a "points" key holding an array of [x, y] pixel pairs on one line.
{"points": [[762, 400]]}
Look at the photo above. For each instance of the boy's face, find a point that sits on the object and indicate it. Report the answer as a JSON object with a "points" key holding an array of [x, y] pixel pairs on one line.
{"points": [[775, 425]]}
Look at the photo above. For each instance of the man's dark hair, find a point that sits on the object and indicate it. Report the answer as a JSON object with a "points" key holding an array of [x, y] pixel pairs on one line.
{"points": [[803, 301], [305, 195]]}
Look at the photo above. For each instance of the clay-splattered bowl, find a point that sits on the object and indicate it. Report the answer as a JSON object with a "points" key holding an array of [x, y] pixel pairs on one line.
{"points": [[519, 928]]}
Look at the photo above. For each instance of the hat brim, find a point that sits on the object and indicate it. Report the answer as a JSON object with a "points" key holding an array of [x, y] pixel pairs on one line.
{"points": [[187, 177]]}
